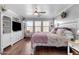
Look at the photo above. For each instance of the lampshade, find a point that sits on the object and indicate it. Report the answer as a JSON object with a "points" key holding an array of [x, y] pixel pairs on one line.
{"points": [[36, 14]]}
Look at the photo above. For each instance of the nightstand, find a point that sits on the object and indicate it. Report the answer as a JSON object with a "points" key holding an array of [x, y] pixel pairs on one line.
{"points": [[74, 46]]}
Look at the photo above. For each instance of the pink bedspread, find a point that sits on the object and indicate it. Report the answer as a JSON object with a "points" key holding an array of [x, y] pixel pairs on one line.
{"points": [[39, 38]]}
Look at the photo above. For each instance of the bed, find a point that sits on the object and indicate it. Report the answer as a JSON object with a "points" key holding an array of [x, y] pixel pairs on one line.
{"points": [[54, 38]]}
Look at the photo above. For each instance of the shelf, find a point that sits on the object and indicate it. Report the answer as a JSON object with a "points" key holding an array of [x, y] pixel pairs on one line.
{"points": [[6, 24]]}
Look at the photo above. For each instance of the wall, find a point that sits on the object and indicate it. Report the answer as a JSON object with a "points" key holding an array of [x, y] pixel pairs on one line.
{"points": [[72, 14], [72, 19]]}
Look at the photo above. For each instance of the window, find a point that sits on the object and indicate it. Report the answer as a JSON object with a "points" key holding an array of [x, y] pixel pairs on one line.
{"points": [[37, 29], [37, 26], [30, 29], [37, 23], [45, 26], [45, 29], [45, 23], [29, 25]]}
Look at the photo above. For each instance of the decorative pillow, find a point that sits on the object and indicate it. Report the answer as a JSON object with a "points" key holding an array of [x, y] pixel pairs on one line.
{"points": [[60, 32], [68, 34]]}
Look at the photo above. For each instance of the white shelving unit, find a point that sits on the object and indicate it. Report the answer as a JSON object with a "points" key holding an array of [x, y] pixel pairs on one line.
{"points": [[6, 31], [7, 35]]}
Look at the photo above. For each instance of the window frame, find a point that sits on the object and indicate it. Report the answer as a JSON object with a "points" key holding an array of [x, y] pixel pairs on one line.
{"points": [[41, 26], [29, 26], [45, 26]]}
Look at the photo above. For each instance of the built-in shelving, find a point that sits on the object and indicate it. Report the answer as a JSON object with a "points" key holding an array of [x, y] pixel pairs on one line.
{"points": [[6, 24], [7, 35]]}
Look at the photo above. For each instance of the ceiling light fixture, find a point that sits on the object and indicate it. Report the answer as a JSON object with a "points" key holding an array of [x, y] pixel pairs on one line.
{"points": [[37, 13]]}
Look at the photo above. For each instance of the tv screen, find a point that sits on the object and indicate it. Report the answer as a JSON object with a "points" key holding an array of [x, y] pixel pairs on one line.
{"points": [[16, 26]]}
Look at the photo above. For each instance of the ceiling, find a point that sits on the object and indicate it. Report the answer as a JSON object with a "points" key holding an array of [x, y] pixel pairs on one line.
{"points": [[27, 10]]}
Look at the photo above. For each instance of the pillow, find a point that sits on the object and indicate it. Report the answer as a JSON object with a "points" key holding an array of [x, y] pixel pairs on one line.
{"points": [[68, 34], [60, 32]]}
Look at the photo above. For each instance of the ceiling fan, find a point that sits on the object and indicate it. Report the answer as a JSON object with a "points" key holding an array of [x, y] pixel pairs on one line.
{"points": [[36, 12]]}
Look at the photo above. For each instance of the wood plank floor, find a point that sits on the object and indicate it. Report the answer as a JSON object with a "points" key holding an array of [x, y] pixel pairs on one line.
{"points": [[23, 47]]}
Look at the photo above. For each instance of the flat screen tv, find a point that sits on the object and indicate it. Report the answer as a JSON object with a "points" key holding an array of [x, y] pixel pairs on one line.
{"points": [[16, 26]]}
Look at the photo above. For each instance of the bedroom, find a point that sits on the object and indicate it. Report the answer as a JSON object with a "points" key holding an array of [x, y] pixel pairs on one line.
{"points": [[39, 29]]}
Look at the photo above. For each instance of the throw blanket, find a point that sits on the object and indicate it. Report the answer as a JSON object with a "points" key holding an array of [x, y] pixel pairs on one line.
{"points": [[39, 38]]}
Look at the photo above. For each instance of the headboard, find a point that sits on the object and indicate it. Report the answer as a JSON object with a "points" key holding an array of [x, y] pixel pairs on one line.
{"points": [[69, 29]]}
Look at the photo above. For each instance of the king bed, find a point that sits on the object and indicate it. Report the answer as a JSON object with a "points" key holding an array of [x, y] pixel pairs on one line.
{"points": [[55, 38]]}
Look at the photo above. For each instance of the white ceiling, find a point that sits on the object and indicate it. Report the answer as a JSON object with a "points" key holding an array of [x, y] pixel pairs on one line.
{"points": [[26, 10]]}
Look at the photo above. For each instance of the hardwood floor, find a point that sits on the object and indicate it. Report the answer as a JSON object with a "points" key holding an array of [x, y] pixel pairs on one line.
{"points": [[23, 47]]}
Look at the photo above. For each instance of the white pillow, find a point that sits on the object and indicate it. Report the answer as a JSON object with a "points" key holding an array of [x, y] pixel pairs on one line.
{"points": [[60, 32], [68, 34]]}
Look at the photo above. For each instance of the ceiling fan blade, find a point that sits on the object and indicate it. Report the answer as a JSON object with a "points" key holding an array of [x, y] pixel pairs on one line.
{"points": [[42, 12]]}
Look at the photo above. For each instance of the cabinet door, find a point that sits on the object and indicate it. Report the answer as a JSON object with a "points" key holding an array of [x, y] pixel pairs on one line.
{"points": [[16, 36], [6, 40], [13, 37], [20, 35]]}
